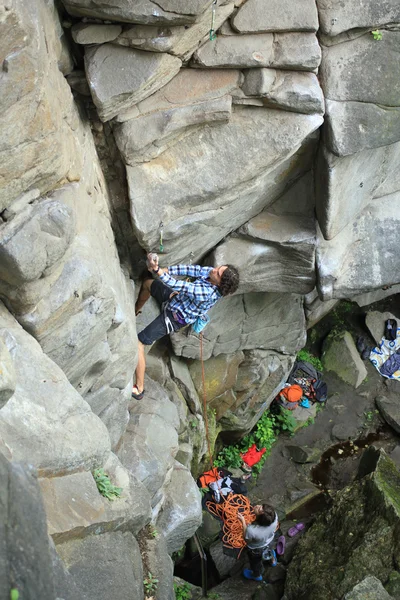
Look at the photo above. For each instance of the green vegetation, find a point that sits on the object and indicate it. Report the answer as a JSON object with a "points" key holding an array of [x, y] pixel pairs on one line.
{"points": [[193, 423], [306, 356], [214, 596], [153, 531], [377, 35], [14, 594], [285, 421], [150, 584], [104, 485], [182, 591]]}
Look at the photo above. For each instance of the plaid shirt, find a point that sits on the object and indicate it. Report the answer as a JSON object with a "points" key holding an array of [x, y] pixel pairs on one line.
{"points": [[194, 299]]}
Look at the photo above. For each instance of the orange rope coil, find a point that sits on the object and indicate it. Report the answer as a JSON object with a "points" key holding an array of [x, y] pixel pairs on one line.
{"points": [[227, 511]]}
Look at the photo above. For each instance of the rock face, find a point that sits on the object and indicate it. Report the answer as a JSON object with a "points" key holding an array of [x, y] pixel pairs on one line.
{"points": [[336, 18], [389, 409], [370, 587], [259, 16], [363, 522], [341, 355]]}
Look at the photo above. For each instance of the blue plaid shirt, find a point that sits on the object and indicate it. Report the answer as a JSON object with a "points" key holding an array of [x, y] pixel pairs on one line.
{"points": [[194, 299]]}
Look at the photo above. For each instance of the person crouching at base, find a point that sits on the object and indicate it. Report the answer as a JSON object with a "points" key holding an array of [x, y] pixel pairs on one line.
{"points": [[258, 537], [182, 302]]}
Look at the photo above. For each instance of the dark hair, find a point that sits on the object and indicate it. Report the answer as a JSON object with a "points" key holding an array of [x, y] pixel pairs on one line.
{"points": [[229, 281], [267, 517]]}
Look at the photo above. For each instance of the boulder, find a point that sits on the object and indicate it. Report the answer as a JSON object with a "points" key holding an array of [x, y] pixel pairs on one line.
{"points": [[259, 16], [369, 588], [341, 356], [390, 410], [372, 297], [273, 254], [207, 170], [113, 89], [104, 565], [355, 126], [164, 12], [303, 454], [267, 321], [75, 508], [297, 92], [295, 51], [43, 149], [181, 514], [346, 185], [8, 377], [91, 33], [336, 18], [344, 263], [180, 41], [375, 321], [147, 136], [316, 309], [46, 421], [363, 522]]}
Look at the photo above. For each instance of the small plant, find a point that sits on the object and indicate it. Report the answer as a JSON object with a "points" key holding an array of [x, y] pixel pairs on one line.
{"points": [[104, 485], [153, 531], [310, 421], [150, 584], [182, 591], [369, 415], [14, 594], [285, 421], [214, 596], [306, 356], [377, 35], [203, 491], [193, 424], [229, 457]]}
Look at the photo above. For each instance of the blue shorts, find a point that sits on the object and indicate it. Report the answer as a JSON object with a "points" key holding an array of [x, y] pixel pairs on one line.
{"points": [[158, 328]]}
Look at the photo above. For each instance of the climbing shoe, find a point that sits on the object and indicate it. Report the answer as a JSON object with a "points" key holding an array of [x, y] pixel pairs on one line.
{"points": [[248, 574], [138, 395]]}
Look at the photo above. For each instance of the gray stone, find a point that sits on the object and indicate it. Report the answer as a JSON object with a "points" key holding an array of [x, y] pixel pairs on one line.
{"points": [[181, 374], [395, 456], [316, 309], [34, 240], [296, 51], [105, 565], [274, 254], [245, 322], [169, 12], [113, 89], [147, 136], [8, 377], [371, 297], [223, 563], [25, 562], [299, 92], [344, 431], [301, 454], [344, 263], [90, 33], [358, 70], [78, 82], [355, 126], [181, 515], [209, 164], [341, 356], [369, 588], [64, 583], [298, 199], [180, 41], [43, 149], [375, 321], [390, 410], [346, 185], [337, 17], [274, 15], [160, 565], [46, 420], [392, 586]]}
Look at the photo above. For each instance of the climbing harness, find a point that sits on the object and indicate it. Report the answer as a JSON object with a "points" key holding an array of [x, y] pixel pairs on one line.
{"points": [[213, 35], [161, 227], [227, 512]]}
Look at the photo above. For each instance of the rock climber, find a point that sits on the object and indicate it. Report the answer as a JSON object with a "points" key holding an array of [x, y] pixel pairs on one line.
{"points": [[182, 302], [258, 537]]}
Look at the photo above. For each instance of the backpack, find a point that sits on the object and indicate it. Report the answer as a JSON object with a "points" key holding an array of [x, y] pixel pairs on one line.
{"points": [[390, 330], [290, 396], [305, 374]]}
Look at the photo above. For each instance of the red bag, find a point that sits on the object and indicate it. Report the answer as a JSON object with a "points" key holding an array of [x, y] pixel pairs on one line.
{"points": [[253, 456]]}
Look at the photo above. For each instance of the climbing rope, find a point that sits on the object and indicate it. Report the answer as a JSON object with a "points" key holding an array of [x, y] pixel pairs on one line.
{"points": [[227, 511], [203, 383], [213, 35]]}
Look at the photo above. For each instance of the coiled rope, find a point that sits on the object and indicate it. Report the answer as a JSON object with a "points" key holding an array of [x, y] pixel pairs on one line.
{"points": [[227, 511]]}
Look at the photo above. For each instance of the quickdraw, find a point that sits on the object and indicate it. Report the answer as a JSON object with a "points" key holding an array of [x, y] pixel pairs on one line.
{"points": [[213, 35]]}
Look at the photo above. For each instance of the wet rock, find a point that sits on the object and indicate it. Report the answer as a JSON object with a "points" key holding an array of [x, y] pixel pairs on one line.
{"points": [[369, 588], [90, 33], [296, 51], [299, 92], [375, 321], [395, 456], [341, 356], [210, 164], [113, 89], [165, 12], [181, 512], [302, 454], [390, 410], [343, 263], [393, 585], [104, 565], [336, 18], [256, 16], [346, 185], [344, 431], [275, 574], [363, 522], [273, 254]]}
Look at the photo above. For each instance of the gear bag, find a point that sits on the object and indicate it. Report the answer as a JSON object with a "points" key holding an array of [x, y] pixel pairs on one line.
{"points": [[310, 380]]}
